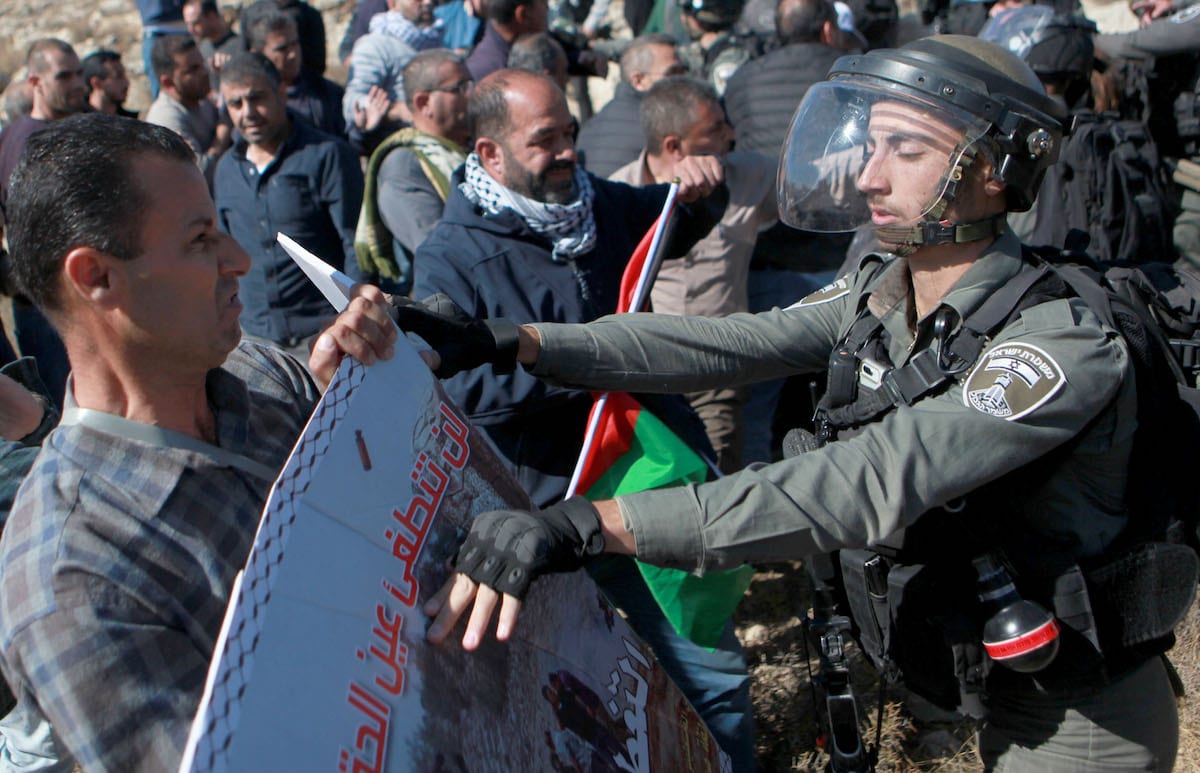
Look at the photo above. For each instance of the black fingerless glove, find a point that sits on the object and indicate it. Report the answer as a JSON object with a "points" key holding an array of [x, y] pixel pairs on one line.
{"points": [[506, 549], [461, 341]]}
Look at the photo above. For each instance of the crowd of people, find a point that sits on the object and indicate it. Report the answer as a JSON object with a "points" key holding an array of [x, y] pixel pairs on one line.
{"points": [[851, 203]]}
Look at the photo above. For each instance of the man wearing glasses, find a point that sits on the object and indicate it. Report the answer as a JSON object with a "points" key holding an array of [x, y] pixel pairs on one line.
{"points": [[408, 176]]}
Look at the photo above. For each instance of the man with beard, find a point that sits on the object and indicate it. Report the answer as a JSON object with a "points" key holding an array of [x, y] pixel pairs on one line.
{"points": [[107, 83], [56, 81], [528, 235], [283, 176], [183, 105]]}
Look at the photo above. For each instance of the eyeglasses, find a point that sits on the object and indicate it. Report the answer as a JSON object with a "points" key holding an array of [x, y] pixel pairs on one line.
{"points": [[460, 88]]}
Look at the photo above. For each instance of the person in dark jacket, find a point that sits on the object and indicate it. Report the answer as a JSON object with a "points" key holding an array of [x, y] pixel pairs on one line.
{"points": [[529, 235], [613, 137], [763, 94]]}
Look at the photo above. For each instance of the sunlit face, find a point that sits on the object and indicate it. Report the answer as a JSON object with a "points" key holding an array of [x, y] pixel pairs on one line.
{"points": [[538, 155], [908, 153], [282, 48], [60, 84], [183, 287], [710, 134], [419, 12], [447, 106], [190, 75], [257, 110]]}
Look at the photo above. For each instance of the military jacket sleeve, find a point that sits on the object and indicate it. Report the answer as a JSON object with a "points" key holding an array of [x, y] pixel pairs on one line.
{"points": [[858, 491], [666, 353]]}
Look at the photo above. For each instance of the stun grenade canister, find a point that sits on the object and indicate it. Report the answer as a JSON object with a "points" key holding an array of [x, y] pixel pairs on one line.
{"points": [[1019, 634]]}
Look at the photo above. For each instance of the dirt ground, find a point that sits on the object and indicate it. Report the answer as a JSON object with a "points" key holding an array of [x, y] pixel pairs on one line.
{"points": [[770, 629]]}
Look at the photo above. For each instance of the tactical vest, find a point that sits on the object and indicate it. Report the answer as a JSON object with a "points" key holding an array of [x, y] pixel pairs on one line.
{"points": [[913, 597]]}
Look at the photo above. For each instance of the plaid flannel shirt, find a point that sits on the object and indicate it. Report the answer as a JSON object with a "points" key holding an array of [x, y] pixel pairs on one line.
{"points": [[118, 559]]}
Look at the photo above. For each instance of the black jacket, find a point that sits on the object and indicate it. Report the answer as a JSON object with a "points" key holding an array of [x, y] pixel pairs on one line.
{"points": [[764, 93]]}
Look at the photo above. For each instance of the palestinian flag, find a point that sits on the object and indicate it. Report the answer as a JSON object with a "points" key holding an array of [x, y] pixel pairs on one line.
{"points": [[628, 449]]}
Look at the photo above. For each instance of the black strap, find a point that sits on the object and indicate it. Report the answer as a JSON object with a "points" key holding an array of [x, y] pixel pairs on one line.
{"points": [[845, 405]]}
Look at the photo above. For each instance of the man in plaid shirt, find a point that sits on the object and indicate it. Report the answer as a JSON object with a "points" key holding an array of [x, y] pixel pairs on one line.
{"points": [[116, 565]]}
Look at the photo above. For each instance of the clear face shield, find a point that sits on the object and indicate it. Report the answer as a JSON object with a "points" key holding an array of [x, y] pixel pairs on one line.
{"points": [[863, 151]]}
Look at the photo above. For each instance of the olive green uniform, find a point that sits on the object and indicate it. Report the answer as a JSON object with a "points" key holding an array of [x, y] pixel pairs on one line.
{"points": [[1073, 378]]}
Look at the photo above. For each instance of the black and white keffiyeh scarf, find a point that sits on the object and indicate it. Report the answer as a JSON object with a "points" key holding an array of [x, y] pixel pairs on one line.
{"points": [[570, 227]]}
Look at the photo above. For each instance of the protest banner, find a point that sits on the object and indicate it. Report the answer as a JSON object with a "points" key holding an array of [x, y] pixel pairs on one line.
{"points": [[322, 659]]}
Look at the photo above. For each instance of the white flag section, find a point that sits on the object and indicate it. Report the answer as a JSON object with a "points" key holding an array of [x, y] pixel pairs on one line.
{"points": [[323, 664]]}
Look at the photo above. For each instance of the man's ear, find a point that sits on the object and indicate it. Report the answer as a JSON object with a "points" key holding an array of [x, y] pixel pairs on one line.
{"points": [[88, 274], [830, 34], [672, 146], [491, 156], [521, 15], [420, 101]]}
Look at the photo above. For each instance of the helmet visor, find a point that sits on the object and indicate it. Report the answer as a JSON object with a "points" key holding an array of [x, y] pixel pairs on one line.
{"points": [[861, 151]]}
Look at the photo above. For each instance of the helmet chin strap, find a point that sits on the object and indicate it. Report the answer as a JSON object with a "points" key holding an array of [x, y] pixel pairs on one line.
{"points": [[933, 229]]}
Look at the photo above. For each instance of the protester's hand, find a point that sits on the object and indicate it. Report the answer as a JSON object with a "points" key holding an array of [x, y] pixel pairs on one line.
{"points": [[364, 331], [460, 341], [369, 114], [502, 554], [699, 176], [1149, 10]]}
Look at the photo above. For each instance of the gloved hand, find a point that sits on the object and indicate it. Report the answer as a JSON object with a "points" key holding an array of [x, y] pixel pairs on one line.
{"points": [[506, 549], [461, 341]]}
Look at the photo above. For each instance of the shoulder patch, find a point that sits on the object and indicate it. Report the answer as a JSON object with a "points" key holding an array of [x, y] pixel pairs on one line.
{"points": [[830, 292], [1012, 380]]}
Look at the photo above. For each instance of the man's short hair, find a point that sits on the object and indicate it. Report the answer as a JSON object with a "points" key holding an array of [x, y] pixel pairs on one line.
{"points": [[249, 66], [74, 186], [638, 56], [207, 7], [94, 66], [504, 11], [421, 72], [35, 56], [536, 52], [669, 107], [487, 110], [162, 55], [263, 24], [801, 21]]}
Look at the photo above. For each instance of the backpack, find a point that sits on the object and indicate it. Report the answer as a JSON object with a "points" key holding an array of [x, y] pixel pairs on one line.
{"points": [[1156, 309], [1110, 185]]}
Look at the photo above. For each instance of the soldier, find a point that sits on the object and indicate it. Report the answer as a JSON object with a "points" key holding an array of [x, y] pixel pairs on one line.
{"points": [[946, 437], [716, 51]]}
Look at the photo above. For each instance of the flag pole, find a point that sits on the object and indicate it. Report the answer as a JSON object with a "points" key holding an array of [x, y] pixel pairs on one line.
{"points": [[641, 294]]}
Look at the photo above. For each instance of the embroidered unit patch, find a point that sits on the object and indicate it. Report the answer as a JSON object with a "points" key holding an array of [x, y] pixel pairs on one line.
{"points": [[830, 292], [1013, 380]]}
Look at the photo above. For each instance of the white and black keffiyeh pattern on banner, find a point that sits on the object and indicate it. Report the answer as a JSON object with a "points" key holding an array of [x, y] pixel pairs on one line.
{"points": [[570, 227]]}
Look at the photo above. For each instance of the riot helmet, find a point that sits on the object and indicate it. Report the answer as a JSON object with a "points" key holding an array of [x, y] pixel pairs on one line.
{"points": [[713, 14], [928, 112], [1053, 45]]}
